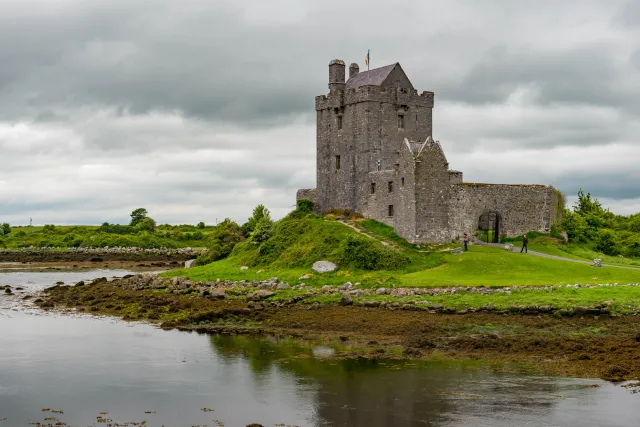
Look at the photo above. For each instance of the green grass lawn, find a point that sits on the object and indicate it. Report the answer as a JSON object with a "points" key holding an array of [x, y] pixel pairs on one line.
{"points": [[488, 266], [481, 266], [581, 253]]}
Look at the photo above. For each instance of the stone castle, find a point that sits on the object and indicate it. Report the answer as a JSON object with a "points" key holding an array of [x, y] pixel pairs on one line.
{"points": [[376, 155]]}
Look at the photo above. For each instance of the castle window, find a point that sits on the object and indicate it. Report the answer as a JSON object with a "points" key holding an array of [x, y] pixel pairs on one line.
{"points": [[402, 183], [390, 210], [337, 162], [339, 122], [400, 121], [379, 165], [390, 186], [373, 188]]}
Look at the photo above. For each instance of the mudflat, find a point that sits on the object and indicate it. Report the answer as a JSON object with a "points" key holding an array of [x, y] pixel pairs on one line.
{"points": [[588, 346]]}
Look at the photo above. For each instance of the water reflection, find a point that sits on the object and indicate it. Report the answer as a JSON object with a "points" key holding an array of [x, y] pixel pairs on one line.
{"points": [[85, 365], [361, 392]]}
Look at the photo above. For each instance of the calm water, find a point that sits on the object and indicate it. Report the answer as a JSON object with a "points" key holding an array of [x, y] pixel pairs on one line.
{"points": [[84, 366]]}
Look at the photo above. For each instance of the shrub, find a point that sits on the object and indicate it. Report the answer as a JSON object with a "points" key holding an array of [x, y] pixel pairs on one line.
{"points": [[204, 259], [607, 243], [225, 237], [6, 229], [367, 254], [263, 230], [200, 225]]}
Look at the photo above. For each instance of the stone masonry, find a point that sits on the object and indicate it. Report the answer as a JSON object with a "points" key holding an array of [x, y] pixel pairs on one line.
{"points": [[376, 155]]}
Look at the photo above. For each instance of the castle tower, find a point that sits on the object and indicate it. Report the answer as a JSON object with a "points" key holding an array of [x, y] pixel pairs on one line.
{"points": [[361, 126]]}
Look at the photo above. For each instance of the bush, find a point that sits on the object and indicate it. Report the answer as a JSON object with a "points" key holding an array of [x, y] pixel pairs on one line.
{"points": [[607, 243], [204, 259], [263, 230], [225, 237], [6, 229], [200, 225], [367, 254]]}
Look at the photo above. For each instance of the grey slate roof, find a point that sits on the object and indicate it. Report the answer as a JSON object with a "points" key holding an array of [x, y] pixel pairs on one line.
{"points": [[372, 77]]}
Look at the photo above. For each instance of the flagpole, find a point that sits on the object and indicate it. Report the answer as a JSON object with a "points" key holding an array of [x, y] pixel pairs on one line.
{"points": [[368, 63]]}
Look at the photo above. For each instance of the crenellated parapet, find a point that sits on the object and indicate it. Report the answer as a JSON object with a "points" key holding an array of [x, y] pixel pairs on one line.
{"points": [[398, 96]]}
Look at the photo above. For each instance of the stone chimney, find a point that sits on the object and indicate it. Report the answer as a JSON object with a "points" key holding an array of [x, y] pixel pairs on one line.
{"points": [[336, 75], [353, 69]]}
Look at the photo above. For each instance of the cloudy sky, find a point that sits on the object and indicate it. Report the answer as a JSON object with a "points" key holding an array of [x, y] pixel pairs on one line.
{"points": [[200, 109]]}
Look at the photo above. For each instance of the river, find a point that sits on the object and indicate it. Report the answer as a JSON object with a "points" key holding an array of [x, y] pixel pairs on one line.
{"points": [[98, 369]]}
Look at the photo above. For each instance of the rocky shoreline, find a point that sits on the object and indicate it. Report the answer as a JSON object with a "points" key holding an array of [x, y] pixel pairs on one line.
{"points": [[582, 344], [96, 255], [258, 294]]}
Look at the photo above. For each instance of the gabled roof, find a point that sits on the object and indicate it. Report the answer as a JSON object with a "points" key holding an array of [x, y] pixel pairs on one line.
{"points": [[378, 77]]}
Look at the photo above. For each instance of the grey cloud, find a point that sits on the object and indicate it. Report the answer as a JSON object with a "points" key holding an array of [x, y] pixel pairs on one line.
{"points": [[200, 110]]}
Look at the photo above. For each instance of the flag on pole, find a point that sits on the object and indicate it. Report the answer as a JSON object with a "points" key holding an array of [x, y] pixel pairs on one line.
{"points": [[366, 60]]}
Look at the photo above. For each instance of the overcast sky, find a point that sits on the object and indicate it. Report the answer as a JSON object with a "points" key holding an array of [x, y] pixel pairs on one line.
{"points": [[200, 109]]}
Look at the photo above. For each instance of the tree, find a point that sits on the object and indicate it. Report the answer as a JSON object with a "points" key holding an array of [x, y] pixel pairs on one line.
{"points": [[6, 229], [586, 205], [146, 224], [259, 212], [200, 225], [137, 216]]}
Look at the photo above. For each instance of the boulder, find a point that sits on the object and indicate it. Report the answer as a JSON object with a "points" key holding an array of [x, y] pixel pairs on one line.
{"points": [[304, 277], [346, 300], [508, 247], [457, 251], [189, 264], [283, 286], [243, 268], [324, 267], [259, 295], [597, 262], [579, 311], [217, 293]]}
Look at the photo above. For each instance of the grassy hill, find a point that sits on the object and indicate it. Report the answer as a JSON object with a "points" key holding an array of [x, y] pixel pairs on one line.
{"points": [[381, 258]]}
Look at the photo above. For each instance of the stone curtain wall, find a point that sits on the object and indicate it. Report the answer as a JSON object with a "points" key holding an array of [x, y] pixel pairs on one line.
{"points": [[522, 208], [307, 194]]}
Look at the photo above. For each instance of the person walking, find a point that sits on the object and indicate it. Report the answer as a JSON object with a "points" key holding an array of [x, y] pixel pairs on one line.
{"points": [[466, 242], [525, 242]]}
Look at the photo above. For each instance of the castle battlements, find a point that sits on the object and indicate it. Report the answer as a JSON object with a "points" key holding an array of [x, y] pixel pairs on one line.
{"points": [[399, 96]]}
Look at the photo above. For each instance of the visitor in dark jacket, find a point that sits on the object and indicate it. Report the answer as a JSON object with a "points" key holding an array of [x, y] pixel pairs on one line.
{"points": [[525, 242]]}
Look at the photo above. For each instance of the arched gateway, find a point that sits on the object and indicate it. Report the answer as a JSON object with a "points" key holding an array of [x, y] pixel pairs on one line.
{"points": [[489, 227]]}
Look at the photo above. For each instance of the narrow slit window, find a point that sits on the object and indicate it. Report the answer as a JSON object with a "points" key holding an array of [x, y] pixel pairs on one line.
{"points": [[400, 121], [337, 162], [390, 210], [402, 182], [379, 165], [390, 186], [373, 188], [339, 122]]}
